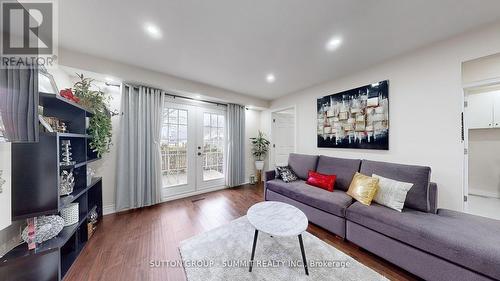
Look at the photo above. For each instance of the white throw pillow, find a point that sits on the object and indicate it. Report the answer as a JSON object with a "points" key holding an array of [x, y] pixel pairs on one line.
{"points": [[391, 193]]}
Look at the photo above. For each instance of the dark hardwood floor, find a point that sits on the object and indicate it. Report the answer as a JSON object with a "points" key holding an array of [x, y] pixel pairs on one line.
{"points": [[125, 243]]}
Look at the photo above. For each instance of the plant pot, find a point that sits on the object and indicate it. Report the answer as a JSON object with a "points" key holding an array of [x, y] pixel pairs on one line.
{"points": [[259, 165]]}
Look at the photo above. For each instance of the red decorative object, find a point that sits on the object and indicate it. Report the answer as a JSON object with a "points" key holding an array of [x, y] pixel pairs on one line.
{"points": [[322, 181], [68, 94], [31, 233]]}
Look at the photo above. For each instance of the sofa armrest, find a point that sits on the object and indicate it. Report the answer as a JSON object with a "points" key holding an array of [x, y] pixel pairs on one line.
{"points": [[269, 175], [433, 197]]}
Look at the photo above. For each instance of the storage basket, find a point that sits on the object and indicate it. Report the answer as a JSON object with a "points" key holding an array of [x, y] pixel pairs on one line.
{"points": [[70, 214]]}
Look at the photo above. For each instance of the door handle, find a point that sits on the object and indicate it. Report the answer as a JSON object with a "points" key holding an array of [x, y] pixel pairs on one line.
{"points": [[199, 153]]}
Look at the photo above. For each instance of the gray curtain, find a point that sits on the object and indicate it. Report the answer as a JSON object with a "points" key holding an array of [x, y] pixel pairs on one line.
{"points": [[19, 104], [138, 173], [235, 161]]}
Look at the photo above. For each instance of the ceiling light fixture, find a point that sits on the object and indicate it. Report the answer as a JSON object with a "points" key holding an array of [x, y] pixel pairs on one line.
{"points": [[333, 43], [153, 30], [197, 97], [270, 78]]}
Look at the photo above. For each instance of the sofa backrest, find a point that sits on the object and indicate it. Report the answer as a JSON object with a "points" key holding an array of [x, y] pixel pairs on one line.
{"points": [[301, 164], [343, 168], [418, 196]]}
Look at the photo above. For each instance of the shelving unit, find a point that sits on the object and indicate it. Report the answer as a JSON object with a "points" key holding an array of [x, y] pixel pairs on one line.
{"points": [[36, 169]]}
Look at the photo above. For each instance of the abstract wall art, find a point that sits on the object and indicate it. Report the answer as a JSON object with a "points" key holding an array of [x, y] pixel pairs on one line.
{"points": [[357, 118]]}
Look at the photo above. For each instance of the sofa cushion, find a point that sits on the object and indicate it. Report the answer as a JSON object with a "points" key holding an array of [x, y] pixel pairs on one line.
{"points": [[334, 202], [459, 238], [301, 164], [343, 168], [417, 198]]}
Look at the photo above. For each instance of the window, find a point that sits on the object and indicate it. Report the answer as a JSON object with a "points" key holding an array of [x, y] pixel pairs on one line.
{"points": [[174, 147], [213, 146]]}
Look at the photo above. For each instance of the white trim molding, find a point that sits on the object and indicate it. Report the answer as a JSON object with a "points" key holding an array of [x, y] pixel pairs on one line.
{"points": [[108, 209]]}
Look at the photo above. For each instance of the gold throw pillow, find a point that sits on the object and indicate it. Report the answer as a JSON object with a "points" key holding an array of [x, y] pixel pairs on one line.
{"points": [[363, 188]]}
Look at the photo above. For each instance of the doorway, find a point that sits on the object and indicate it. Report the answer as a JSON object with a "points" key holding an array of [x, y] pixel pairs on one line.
{"points": [[282, 136], [192, 148], [482, 151]]}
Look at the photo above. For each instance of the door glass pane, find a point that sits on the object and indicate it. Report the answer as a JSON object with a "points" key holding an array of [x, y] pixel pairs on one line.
{"points": [[213, 146], [174, 147], [183, 117]]}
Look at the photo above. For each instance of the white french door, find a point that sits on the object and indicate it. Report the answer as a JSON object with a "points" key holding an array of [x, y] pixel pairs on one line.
{"points": [[192, 148]]}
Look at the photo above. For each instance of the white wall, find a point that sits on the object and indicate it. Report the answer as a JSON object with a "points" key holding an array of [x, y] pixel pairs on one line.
{"points": [[5, 189], [8, 231], [484, 162], [426, 100], [481, 69]]}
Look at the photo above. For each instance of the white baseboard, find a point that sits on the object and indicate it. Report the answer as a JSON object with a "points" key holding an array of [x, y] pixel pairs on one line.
{"points": [[108, 209], [484, 193]]}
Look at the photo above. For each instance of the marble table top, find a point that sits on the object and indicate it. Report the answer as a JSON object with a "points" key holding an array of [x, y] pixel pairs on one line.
{"points": [[277, 219]]}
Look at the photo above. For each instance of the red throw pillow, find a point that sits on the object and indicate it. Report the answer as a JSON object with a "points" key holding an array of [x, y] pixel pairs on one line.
{"points": [[323, 181]]}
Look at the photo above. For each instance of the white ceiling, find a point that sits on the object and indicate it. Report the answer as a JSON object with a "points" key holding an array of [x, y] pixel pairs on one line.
{"points": [[233, 44]]}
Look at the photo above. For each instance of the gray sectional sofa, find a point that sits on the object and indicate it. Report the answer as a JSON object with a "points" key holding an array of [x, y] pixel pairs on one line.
{"points": [[434, 244]]}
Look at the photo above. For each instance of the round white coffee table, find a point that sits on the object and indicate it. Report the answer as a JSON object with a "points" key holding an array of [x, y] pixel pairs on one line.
{"points": [[277, 219]]}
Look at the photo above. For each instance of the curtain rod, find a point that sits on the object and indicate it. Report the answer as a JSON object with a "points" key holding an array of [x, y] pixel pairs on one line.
{"points": [[182, 97]]}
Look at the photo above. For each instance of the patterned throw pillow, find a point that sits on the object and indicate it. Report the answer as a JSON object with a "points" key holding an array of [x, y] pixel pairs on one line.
{"points": [[391, 193], [286, 174], [363, 188]]}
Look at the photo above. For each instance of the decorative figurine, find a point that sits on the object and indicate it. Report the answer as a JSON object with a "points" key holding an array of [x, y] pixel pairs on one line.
{"points": [[66, 153]]}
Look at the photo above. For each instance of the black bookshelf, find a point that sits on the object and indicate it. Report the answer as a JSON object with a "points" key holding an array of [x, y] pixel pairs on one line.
{"points": [[35, 191]]}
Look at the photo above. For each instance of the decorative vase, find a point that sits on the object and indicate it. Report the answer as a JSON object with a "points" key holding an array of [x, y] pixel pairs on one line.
{"points": [[90, 175], [66, 183], [70, 214], [259, 165]]}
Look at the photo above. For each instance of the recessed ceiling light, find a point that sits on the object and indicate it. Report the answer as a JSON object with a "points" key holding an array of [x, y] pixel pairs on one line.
{"points": [[333, 43], [197, 97], [153, 30], [270, 78], [109, 79]]}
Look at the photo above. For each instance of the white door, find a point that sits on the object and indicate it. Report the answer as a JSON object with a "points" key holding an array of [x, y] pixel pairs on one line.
{"points": [[192, 148], [210, 148], [283, 137], [480, 110]]}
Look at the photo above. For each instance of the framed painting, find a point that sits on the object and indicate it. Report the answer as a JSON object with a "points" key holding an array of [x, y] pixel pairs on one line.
{"points": [[357, 118]]}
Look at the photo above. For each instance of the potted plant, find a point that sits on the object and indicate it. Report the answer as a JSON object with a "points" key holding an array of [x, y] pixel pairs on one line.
{"points": [[100, 123], [260, 147]]}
